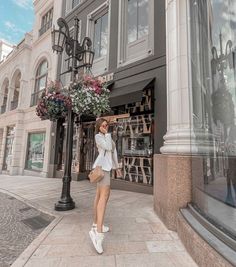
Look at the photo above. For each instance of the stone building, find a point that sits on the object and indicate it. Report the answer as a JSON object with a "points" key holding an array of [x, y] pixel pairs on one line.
{"points": [[24, 138]]}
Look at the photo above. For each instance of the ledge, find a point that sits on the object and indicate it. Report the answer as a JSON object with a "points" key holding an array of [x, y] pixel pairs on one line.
{"points": [[205, 248]]}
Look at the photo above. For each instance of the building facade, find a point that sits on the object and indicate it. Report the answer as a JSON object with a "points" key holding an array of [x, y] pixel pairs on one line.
{"points": [[5, 49], [130, 54], [24, 138]]}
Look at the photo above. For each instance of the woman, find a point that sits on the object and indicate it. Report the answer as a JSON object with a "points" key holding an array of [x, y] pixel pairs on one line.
{"points": [[107, 159]]}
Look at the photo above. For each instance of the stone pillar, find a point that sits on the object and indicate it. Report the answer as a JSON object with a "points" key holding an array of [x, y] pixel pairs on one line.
{"points": [[172, 168], [9, 98], [2, 150], [17, 151], [24, 101]]}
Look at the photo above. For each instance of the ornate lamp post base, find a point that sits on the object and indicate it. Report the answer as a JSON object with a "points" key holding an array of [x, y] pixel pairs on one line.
{"points": [[64, 205]]}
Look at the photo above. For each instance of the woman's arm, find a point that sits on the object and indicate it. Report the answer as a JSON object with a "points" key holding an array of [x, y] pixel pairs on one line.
{"points": [[104, 142]]}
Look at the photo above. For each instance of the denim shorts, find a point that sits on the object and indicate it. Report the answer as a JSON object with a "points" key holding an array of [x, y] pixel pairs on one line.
{"points": [[106, 180]]}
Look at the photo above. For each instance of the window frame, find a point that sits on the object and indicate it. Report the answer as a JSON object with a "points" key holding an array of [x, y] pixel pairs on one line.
{"points": [[100, 64], [73, 5], [144, 44], [69, 7], [46, 21], [27, 149], [39, 77]]}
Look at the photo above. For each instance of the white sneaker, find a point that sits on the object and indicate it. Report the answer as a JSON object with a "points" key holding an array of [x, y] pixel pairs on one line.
{"points": [[105, 228], [97, 239]]}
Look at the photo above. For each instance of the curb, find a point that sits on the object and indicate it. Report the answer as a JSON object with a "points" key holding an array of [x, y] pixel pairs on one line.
{"points": [[29, 251]]}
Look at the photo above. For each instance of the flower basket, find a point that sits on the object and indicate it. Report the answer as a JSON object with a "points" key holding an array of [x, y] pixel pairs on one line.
{"points": [[54, 103], [223, 107], [90, 96]]}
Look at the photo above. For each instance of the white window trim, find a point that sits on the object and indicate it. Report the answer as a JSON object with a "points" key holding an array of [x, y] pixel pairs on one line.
{"points": [[122, 36], [69, 8], [99, 11]]}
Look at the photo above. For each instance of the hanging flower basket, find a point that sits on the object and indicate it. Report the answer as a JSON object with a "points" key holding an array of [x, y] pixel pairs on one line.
{"points": [[54, 103], [90, 96], [223, 107]]}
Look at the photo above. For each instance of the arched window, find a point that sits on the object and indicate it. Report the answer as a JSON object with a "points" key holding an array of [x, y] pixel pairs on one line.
{"points": [[41, 76], [40, 82], [5, 96]]}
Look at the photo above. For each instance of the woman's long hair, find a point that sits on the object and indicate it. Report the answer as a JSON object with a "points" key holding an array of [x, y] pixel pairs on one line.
{"points": [[98, 124]]}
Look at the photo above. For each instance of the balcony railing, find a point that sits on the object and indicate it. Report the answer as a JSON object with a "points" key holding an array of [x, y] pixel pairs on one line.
{"points": [[14, 104], [3, 109], [45, 27], [35, 97]]}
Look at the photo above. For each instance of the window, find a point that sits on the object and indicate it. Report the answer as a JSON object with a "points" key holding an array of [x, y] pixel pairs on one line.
{"points": [[212, 30], [41, 76], [135, 30], [75, 3], [137, 19], [40, 81], [100, 38], [35, 151], [71, 4], [98, 31], [46, 22]]}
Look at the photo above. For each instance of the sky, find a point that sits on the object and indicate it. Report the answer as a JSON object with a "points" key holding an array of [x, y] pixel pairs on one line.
{"points": [[16, 18]]}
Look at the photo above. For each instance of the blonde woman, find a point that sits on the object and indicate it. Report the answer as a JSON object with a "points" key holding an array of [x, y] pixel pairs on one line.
{"points": [[107, 159]]}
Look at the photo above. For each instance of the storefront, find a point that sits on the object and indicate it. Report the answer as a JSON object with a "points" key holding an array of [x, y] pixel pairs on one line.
{"points": [[131, 124], [35, 151]]}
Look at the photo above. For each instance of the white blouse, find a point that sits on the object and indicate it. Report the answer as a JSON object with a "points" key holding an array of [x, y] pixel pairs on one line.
{"points": [[107, 157]]}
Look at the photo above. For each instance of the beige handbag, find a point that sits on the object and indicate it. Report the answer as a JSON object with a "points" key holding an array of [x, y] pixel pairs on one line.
{"points": [[96, 174]]}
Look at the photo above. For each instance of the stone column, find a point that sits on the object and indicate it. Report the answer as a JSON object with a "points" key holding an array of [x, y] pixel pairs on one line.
{"points": [[17, 152], [172, 168], [24, 102], [9, 98], [2, 150]]}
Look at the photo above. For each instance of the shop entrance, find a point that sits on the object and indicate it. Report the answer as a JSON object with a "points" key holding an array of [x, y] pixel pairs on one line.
{"points": [[133, 135]]}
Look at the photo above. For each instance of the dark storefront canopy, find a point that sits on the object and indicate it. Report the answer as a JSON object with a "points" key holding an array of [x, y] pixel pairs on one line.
{"points": [[121, 95]]}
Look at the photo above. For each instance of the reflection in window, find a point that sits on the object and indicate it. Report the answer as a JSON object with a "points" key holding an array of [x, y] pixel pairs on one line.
{"points": [[213, 47], [137, 19], [100, 39]]}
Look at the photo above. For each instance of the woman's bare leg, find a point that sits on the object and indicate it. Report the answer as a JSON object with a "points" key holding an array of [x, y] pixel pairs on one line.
{"points": [[96, 204], [101, 207]]}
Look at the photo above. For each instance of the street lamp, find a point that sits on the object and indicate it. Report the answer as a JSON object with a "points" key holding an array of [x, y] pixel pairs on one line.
{"points": [[223, 60], [81, 56]]}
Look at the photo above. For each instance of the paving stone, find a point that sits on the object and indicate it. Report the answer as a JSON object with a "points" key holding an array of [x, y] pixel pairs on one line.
{"points": [[137, 237], [15, 235]]}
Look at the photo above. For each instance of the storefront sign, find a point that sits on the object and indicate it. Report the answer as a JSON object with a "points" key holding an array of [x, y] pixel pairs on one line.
{"points": [[107, 78], [114, 118]]}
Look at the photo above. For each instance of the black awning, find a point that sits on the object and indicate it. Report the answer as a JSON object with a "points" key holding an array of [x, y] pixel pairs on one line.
{"points": [[129, 93]]}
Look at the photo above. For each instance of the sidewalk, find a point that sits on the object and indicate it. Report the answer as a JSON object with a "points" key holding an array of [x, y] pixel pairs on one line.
{"points": [[137, 236]]}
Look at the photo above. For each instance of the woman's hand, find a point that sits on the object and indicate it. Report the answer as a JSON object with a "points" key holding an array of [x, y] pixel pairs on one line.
{"points": [[119, 173], [103, 130]]}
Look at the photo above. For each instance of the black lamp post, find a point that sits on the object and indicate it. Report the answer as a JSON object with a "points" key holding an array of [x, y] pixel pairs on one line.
{"points": [[80, 56]]}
